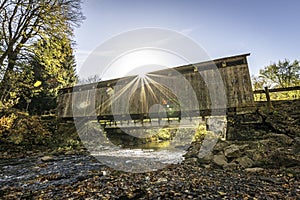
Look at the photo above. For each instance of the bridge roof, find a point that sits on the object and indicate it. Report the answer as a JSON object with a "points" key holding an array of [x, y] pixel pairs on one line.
{"points": [[205, 65]]}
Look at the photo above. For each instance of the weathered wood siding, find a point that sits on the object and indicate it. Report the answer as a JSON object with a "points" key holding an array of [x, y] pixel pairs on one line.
{"points": [[96, 99]]}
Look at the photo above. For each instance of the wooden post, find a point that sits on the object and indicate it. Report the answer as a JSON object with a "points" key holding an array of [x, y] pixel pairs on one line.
{"points": [[269, 103]]}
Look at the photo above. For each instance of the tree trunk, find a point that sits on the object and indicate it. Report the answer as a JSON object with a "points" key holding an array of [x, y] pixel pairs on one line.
{"points": [[6, 80]]}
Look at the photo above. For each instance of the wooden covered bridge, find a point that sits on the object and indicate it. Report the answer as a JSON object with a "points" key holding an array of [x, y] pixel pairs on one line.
{"points": [[133, 97]]}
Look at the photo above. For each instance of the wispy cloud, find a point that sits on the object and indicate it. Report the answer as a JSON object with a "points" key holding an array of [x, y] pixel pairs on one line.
{"points": [[187, 31]]}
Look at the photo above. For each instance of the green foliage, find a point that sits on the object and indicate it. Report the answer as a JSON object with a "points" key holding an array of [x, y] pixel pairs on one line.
{"points": [[164, 134], [53, 67], [36, 56], [21, 90], [281, 74], [286, 95], [20, 128], [73, 143], [6, 123], [278, 75], [200, 133], [36, 59], [54, 63], [34, 87]]}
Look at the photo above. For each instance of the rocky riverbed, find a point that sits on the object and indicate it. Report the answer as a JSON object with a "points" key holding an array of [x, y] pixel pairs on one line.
{"points": [[266, 166], [82, 176]]}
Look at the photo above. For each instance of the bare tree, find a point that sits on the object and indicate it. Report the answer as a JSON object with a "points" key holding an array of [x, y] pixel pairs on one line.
{"points": [[91, 79]]}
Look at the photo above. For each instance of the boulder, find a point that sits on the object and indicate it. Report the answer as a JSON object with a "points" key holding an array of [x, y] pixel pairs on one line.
{"points": [[255, 154], [192, 161], [283, 158], [230, 166], [280, 138], [245, 162], [220, 160], [220, 146], [232, 151], [205, 157], [297, 140], [296, 146]]}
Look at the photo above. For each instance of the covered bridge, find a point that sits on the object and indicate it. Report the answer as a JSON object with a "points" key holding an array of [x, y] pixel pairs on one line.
{"points": [[136, 95]]}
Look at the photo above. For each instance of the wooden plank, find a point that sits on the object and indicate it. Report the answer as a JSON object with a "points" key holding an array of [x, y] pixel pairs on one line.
{"points": [[98, 100], [64, 108]]}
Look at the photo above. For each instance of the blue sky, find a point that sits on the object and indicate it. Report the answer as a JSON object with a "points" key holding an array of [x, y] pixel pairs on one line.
{"points": [[269, 30]]}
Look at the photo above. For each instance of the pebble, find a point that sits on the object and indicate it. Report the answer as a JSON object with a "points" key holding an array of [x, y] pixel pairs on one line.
{"points": [[161, 180], [104, 173], [47, 158], [254, 169]]}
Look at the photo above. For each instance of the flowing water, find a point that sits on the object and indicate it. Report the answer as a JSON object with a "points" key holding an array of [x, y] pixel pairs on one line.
{"points": [[34, 174]]}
